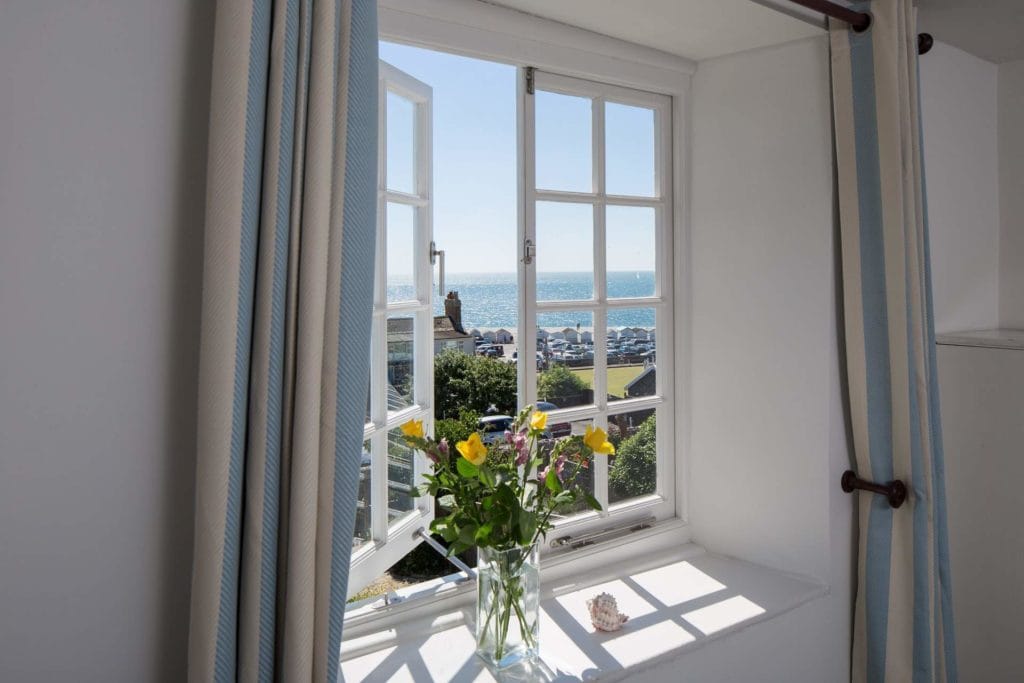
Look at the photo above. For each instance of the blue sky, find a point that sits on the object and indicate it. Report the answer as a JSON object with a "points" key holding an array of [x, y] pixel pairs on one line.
{"points": [[475, 166]]}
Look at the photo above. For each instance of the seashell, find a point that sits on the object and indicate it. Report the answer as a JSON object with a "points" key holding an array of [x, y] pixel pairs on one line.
{"points": [[604, 613]]}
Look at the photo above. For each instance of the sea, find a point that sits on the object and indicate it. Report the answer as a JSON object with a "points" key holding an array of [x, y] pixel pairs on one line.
{"points": [[489, 300]]}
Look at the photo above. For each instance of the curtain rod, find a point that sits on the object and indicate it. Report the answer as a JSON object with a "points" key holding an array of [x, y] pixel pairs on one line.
{"points": [[858, 21]]}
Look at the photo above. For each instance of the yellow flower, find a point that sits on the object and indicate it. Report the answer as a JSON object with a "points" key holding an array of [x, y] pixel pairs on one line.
{"points": [[538, 421], [597, 441], [473, 449], [413, 428]]}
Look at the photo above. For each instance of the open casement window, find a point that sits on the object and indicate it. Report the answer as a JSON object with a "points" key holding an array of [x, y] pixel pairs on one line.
{"points": [[401, 362], [595, 284]]}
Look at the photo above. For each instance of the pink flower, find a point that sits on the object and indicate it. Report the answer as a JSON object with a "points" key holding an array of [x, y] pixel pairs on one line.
{"points": [[522, 452], [442, 446], [508, 437]]}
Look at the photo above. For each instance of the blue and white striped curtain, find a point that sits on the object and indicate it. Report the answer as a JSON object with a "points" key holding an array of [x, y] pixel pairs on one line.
{"points": [[903, 622], [287, 302]]}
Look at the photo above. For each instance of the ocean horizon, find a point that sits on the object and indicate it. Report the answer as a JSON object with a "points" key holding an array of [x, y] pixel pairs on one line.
{"points": [[490, 300]]}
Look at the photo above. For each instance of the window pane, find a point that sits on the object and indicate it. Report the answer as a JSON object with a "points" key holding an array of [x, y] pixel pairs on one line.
{"points": [[401, 144], [632, 338], [401, 362], [565, 251], [631, 251], [563, 125], [583, 476], [565, 341], [362, 532], [633, 470], [401, 475], [629, 150], [401, 242]]}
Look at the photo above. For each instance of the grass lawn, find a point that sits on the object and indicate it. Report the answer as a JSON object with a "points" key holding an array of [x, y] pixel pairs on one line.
{"points": [[618, 377]]}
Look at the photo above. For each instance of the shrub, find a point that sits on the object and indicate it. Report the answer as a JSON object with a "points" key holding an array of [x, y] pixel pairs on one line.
{"points": [[472, 383], [635, 468], [560, 382]]}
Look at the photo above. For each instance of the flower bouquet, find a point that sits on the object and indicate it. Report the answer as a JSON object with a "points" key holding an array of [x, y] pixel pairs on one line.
{"points": [[500, 498]]}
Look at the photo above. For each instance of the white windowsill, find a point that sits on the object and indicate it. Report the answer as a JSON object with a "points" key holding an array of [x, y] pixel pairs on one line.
{"points": [[677, 600]]}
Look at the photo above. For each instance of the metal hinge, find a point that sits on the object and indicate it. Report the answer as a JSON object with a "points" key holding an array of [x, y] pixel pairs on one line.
{"points": [[529, 80], [575, 542], [529, 251]]}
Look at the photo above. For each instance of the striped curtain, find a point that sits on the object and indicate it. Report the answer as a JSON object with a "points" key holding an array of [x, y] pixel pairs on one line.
{"points": [[903, 623], [284, 359]]}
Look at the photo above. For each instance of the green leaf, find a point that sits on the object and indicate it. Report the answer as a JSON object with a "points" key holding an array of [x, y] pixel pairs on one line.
{"points": [[467, 534], [591, 501], [466, 468], [487, 476], [552, 482], [448, 532], [565, 497], [447, 502], [483, 533], [527, 526]]}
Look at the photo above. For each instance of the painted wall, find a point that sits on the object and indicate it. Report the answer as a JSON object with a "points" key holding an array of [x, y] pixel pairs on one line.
{"points": [[1011, 194], [102, 175], [961, 151], [767, 419], [982, 404]]}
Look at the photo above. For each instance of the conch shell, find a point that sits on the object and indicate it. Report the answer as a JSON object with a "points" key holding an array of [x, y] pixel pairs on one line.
{"points": [[604, 613]]}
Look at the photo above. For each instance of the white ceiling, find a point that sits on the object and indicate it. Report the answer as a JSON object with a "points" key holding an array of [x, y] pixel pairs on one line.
{"points": [[697, 29], [990, 29]]}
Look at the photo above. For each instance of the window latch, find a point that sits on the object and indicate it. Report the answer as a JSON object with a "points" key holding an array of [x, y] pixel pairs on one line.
{"points": [[436, 254], [529, 251], [577, 542]]}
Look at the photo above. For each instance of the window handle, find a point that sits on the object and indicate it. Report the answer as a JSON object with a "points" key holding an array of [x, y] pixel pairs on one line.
{"points": [[436, 254]]}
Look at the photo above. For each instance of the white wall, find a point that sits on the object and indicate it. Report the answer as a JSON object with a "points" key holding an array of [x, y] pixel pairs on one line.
{"points": [[768, 435], [958, 102], [1011, 194], [982, 404], [102, 172]]}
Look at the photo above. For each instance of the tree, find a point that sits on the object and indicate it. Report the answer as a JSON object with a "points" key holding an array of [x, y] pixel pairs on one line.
{"points": [[472, 383], [634, 471], [560, 382]]}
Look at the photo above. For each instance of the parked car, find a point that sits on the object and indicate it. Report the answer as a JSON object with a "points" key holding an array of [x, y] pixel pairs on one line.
{"points": [[493, 427]]}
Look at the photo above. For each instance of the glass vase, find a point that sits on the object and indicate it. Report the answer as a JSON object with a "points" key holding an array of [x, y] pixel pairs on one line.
{"points": [[508, 605]]}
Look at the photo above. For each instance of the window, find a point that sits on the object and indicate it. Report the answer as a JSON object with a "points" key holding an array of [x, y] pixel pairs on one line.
{"points": [[401, 370], [566, 234], [595, 278]]}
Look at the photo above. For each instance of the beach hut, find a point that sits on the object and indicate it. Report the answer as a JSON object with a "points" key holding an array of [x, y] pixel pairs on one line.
{"points": [[627, 333], [640, 333], [542, 334], [613, 335], [488, 336], [571, 335], [557, 335], [502, 336], [650, 335], [474, 333], [587, 337]]}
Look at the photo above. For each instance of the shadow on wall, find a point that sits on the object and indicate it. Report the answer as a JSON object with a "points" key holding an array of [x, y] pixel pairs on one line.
{"points": [[183, 361]]}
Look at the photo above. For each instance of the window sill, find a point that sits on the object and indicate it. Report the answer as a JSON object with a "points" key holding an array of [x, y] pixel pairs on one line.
{"points": [[677, 600]]}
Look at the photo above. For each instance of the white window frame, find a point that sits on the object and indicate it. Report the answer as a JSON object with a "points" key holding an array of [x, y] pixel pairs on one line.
{"points": [[503, 35], [661, 504], [390, 542]]}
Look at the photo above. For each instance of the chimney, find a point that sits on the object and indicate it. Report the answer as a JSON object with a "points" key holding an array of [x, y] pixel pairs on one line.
{"points": [[453, 309]]}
